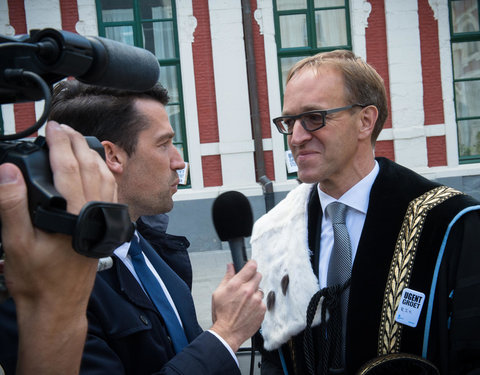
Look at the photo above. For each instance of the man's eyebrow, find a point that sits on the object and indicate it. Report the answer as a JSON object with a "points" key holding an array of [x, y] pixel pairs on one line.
{"points": [[165, 137], [304, 109]]}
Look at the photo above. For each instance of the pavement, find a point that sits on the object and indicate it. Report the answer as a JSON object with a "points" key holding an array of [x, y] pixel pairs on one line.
{"points": [[208, 270]]}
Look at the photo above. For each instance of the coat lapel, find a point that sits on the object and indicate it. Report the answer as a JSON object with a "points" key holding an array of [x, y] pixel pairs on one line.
{"points": [[178, 290], [129, 286]]}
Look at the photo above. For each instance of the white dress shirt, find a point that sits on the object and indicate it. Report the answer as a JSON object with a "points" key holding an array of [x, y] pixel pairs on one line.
{"points": [[356, 199], [122, 253]]}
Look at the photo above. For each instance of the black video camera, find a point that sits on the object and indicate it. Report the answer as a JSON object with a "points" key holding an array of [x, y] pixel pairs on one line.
{"points": [[29, 66], [98, 229]]}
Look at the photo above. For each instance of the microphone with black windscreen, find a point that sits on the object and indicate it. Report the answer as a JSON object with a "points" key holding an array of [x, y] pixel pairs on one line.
{"points": [[55, 54], [233, 221]]}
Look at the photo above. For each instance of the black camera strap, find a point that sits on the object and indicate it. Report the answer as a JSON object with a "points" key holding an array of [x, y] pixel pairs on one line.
{"points": [[96, 232]]}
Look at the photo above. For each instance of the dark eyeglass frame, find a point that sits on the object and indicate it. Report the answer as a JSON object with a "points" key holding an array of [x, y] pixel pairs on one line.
{"points": [[324, 112]]}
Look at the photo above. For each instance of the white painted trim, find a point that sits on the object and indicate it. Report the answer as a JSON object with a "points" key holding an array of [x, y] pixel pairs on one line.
{"points": [[442, 172], [412, 132], [87, 24], [231, 90], [41, 15], [5, 27], [8, 118], [209, 149], [267, 144], [406, 89], [240, 147], [359, 13], [434, 130], [247, 190], [39, 107]]}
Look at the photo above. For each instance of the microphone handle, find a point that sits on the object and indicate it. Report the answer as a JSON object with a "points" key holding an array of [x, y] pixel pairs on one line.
{"points": [[239, 253]]}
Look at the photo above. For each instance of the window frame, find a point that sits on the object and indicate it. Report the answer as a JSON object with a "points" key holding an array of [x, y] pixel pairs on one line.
{"points": [[462, 37], [137, 28]]}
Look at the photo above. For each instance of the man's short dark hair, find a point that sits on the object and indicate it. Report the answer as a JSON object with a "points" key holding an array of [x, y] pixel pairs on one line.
{"points": [[106, 113]]}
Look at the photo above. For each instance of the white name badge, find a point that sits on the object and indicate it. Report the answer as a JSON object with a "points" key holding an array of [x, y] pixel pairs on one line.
{"points": [[410, 307]]}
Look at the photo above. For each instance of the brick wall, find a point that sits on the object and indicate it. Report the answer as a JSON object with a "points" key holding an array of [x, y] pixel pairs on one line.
{"points": [[385, 149], [18, 19], [205, 89], [376, 37], [432, 83], [212, 170], [436, 151], [204, 79], [24, 113], [262, 89], [69, 11]]}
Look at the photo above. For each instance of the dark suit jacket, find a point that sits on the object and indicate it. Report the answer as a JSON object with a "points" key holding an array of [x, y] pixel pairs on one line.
{"points": [[126, 334]]}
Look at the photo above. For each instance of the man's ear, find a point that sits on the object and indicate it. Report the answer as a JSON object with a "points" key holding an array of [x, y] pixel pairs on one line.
{"points": [[368, 118], [115, 157]]}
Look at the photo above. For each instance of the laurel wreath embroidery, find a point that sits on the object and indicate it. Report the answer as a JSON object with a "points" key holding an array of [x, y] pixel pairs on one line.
{"points": [[390, 332]]}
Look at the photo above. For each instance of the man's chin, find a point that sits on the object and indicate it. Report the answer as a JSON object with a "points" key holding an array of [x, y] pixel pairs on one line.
{"points": [[306, 177], [167, 206]]}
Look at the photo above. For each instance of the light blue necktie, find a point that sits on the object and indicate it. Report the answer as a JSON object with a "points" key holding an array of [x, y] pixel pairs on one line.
{"points": [[340, 266], [158, 297]]}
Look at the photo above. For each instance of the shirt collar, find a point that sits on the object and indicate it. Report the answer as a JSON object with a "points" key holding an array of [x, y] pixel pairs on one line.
{"points": [[122, 251], [357, 197]]}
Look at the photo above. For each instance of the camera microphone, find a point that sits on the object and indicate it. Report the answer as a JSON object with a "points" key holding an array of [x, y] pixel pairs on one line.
{"points": [[56, 54], [97, 60]]}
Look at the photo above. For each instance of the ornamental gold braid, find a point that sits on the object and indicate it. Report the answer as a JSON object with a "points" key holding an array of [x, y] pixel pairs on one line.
{"points": [[390, 331], [293, 354]]}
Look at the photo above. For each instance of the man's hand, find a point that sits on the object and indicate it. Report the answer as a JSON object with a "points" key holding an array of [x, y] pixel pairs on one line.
{"points": [[48, 280], [237, 307]]}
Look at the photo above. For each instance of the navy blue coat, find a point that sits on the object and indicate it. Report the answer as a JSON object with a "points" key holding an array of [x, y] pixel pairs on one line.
{"points": [[126, 334]]}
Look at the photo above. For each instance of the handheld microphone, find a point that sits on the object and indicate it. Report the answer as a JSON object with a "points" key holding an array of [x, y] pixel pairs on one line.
{"points": [[233, 221]]}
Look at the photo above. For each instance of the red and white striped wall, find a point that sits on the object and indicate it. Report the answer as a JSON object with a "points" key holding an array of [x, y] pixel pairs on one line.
{"points": [[408, 42]]}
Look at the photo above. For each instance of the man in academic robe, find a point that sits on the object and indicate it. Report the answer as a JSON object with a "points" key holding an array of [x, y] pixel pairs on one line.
{"points": [[409, 247]]}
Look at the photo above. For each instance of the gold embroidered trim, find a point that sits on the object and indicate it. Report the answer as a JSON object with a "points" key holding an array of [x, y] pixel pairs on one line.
{"points": [[415, 361], [390, 332], [291, 345]]}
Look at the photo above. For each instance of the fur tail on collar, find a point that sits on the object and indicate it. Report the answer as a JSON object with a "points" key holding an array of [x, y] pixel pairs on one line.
{"points": [[280, 247]]}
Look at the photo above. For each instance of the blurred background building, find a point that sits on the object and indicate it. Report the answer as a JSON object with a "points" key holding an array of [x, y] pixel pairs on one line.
{"points": [[224, 63]]}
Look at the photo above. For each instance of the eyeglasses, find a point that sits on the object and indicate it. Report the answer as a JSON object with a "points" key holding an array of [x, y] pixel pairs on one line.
{"points": [[311, 120]]}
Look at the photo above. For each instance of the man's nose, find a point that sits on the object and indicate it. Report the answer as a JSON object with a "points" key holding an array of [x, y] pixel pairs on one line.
{"points": [[176, 160], [299, 134]]}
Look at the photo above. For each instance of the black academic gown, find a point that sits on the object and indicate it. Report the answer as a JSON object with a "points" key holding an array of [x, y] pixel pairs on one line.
{"points": [[453, 341]]}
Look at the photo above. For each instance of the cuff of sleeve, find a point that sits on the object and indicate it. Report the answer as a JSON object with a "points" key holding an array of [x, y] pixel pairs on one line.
{"points": [[226, 346]]}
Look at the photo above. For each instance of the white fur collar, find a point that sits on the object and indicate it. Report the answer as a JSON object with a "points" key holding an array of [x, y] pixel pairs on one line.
{"points": [[280, 247]]}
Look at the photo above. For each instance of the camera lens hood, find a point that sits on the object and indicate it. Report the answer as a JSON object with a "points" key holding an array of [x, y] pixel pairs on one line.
{"points": [[96, 232]]}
